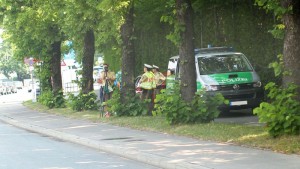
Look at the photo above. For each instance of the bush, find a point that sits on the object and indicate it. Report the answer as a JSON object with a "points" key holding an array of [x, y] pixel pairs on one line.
{"points": [[203, 108], [83, 101], [134, 106], [50, 100], [282, 114]]}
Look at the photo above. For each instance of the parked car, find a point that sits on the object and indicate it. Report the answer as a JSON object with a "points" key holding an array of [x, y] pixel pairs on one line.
{"points": [[18, 84], [12, 87], [7, 88], [223, 70], [2, 89]]}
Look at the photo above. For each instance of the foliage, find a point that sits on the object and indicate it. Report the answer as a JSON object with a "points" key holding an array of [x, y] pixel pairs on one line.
{"points": [[10, 64], [31, 26], [275, 6], [278, 67], [134, 106], [282, 114], [83, 101], [203, 108], [170, 18], [44, 75], [278, 31], [221, 23], [238, 24], [51, 100], [279, 11]]}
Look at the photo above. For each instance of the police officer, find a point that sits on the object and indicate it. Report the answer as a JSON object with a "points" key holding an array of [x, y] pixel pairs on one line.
{"points": [[170, 81], [147, 84], [159, 79]]}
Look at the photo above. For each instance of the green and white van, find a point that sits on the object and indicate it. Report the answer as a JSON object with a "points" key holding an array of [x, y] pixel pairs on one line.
{"points": [[221, 69]]}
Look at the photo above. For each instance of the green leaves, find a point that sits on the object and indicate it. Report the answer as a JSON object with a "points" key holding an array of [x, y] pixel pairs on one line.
{"points": [[282, 114], [83, 101], [203, 108], [133, 106], [50, 100]]}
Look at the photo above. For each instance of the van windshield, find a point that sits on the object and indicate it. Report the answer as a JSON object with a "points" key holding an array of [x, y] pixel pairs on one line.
{"points": [[212, 64]]}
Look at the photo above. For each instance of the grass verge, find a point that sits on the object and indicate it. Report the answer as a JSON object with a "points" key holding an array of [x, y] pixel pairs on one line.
{"points": [[243, 135]]}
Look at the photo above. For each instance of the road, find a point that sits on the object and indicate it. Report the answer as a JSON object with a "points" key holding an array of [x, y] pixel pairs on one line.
{"points": [[239, 117], [26, 150]]}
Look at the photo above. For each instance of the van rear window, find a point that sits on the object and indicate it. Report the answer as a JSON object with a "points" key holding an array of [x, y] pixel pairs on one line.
{"points": [[213, 64]]}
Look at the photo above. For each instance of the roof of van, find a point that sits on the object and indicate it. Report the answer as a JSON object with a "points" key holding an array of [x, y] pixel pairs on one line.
{"points": [[215, 50]]}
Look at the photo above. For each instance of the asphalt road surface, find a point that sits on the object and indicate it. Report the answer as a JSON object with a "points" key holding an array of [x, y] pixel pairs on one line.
{"points": [[20, 149], [245, 117]]}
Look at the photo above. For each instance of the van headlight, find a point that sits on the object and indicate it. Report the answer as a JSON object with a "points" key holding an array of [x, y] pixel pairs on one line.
{"points": [[257, 84], [211, 87]]}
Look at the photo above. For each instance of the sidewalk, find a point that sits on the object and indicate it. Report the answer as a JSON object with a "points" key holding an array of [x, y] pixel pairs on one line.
{"points": [[162, 150]]}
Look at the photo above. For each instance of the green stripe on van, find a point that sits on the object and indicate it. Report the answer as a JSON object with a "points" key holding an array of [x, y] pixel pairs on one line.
{"points": [[233, 78]]}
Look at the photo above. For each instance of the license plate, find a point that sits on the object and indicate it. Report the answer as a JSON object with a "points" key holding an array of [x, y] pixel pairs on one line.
{"points": [[238, 103]]}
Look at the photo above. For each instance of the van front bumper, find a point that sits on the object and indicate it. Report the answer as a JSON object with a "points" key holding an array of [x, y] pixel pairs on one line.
{"points": [[242, 99]]}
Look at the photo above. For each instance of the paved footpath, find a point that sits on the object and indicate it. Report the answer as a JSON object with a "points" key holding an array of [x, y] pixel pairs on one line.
{"points": [[162, 150]]}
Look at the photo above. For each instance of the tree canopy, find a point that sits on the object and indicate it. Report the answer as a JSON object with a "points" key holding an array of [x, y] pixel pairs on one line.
{"points": [[34, 26]]}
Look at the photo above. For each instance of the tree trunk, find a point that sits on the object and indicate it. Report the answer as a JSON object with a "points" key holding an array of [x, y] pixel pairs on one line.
{"points": [[55, 66], [291, 48], [88, 62], [45, 75], [186, 50], [128, 57]]}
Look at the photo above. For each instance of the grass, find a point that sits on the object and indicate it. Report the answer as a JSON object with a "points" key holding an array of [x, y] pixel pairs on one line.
{"points": [[242, 135]]}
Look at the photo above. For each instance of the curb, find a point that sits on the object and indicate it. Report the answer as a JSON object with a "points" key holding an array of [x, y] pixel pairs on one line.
{"points": [[133, 154]]}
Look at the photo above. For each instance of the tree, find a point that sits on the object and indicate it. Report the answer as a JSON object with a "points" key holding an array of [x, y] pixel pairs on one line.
{"points": [[291, 49], [184, 12], [121, 13], [9, 64], [88, 62], [87, 18], [128, 57], [289, 13], [33, 28]]}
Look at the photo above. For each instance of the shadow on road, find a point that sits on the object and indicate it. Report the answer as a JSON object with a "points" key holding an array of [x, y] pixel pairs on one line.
{"points": [[245, 117], [236, 113]]}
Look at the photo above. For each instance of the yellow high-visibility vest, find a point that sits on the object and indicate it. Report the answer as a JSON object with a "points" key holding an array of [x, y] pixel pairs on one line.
{"points": [[147, 81]]}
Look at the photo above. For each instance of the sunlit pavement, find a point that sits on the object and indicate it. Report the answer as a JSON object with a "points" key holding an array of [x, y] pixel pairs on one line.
{"points": [[20, 96], [24, 95], [158, 149]]}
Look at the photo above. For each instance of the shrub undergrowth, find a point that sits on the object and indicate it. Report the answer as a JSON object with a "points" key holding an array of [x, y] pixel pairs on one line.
{"points": [[282, 113], [203, 108], [133, 105], [51, 100], [83, 101]]}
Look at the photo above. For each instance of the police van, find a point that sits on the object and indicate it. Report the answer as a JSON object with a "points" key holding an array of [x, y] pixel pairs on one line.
{"points": [[221, 69]]}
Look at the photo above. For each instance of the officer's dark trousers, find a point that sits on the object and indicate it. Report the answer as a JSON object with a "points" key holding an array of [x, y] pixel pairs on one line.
{"points": [[148, 94]]}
